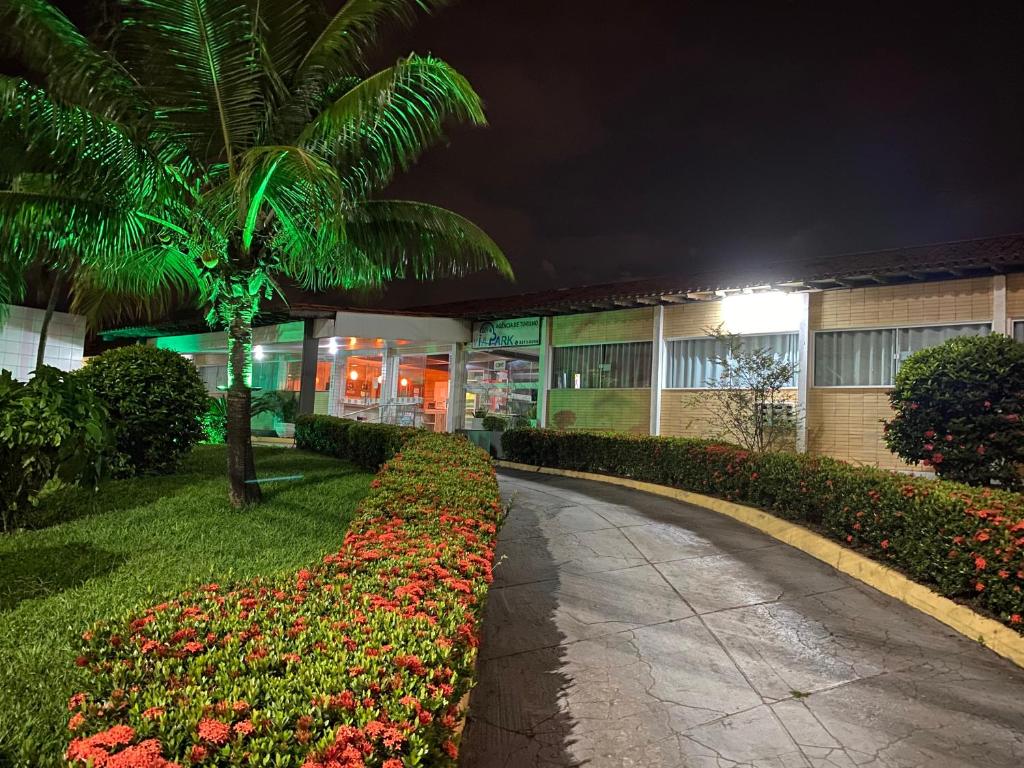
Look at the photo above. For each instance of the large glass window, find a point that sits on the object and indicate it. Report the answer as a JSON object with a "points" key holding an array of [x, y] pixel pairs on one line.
{"points": [[504, 382], [697, 363], [1018, 330], [602, 366], [870, 358]]}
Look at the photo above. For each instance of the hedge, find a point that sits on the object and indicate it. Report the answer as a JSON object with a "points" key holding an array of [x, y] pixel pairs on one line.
{"points": [[363, 443], [965, 542], [361, 660]]}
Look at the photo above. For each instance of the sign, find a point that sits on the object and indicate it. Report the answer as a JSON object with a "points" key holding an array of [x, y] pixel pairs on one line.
{"points": [[517, 332]]}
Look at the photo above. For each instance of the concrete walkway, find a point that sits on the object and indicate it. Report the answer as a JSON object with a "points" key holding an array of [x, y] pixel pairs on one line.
{"points": [[629, 630]]}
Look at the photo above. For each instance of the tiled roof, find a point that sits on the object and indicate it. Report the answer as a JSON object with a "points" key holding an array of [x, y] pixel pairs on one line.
{"points": [[939, 261]]}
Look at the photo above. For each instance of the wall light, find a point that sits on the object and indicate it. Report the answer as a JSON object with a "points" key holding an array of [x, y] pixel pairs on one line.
{"points": [[353, 374], [404, 382], [765, 312], [258, 353]]}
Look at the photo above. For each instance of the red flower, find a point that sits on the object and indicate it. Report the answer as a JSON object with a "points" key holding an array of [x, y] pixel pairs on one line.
{"points": [[885, 543], [153, 713], [197, 754], [1015, 618], [980, 563], [76, 721], [214, 731], [244, 728], [450, 749]]}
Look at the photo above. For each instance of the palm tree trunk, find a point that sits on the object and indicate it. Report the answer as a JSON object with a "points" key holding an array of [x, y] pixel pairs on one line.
{"points": [[241, 467], [51, 306]]}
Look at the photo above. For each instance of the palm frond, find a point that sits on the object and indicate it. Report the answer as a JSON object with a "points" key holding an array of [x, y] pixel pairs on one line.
{"points": [[383, 241], [342, 46], [75, 71], [384, 123], [75, 143], [32, 223], [196, 60], [423, 241]]}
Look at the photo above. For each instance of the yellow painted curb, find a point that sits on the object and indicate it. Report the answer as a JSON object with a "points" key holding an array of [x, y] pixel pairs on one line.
{"points": [[988, 632]]}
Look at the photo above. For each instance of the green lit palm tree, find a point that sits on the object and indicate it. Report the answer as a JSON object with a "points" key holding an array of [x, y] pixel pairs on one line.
{"points": [[214, 147]]}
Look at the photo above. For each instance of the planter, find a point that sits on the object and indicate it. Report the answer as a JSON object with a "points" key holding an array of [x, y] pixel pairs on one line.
{"points": [[489, 440]]}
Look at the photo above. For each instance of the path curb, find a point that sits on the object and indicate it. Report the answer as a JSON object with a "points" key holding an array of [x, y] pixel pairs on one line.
{"points": [[989, 632]]}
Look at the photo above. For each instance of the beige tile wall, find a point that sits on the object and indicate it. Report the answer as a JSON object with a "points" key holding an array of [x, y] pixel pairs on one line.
{"points": [[598, 327], [692, 319], [940, 302], [618, 410], [847, 424]]}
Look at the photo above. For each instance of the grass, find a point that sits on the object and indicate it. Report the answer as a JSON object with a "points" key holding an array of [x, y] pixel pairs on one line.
{"points": [[130, 544]]}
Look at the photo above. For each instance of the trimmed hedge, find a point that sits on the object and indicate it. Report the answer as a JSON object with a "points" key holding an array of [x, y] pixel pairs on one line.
{"points": [[359, 661], [363, 443], [965, 542]]}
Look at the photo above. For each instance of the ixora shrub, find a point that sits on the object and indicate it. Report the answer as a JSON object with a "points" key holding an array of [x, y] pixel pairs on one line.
{"points": [[966, 542], [361, 660], [156, 402], [52, 432], [958, 409], [364, 444]]}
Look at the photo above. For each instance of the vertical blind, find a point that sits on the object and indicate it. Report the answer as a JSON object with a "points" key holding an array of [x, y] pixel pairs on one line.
{"points": [[697, 363], [871, 358], [602, 366]]}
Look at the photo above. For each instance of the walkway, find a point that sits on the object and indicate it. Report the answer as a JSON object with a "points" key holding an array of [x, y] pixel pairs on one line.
{"points": [[629, 630]]}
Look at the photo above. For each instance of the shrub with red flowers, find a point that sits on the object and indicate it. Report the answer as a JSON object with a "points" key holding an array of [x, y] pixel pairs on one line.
{"points": [[360, 661], [958, 410], [965, 542]]}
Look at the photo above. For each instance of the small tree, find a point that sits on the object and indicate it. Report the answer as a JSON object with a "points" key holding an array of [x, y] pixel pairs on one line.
{"points": [[958, 409], [747, 400]]}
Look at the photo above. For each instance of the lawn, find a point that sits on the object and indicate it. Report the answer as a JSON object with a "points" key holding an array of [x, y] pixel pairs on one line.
{"points": [[128, 544]]}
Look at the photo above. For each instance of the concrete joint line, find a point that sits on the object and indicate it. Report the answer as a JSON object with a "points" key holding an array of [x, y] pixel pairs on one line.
{"points": [[989, 632]]}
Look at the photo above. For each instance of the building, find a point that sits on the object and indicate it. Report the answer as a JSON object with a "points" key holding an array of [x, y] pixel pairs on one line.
{"points": [[636, 356], [19, 341]]}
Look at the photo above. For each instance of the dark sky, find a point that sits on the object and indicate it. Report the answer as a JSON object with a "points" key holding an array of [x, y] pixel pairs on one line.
{"points": [[650, 137]]}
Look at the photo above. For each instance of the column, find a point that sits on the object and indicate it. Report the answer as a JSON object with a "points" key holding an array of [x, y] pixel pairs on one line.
{"points": [[803, 376], [999, 324], [657, 368], [544, 372], [457, 361], [389, 363], [307, 378]]}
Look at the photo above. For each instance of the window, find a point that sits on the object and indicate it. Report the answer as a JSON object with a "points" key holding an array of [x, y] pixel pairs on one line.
{"points": [[214, 376], [870, 358], [694, 363], [1018, 330], [602, 366]]}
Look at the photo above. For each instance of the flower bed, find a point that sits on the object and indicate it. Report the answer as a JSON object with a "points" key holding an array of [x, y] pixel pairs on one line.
{"points": [[965, 542], [359, 661], [365, 444]]}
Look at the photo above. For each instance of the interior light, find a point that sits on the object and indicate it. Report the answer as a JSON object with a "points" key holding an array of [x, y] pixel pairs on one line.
{"points": [[380, 379], [351, 341], [404, 382], [257, 352], [353, 374], [332, 346]]}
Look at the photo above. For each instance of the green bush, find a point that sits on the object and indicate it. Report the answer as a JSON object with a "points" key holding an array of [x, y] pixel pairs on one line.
{"points": [[52, 432], [364, 444], [966, 542], [360, 660], [958, 409], [156, 402], [494, 423]]}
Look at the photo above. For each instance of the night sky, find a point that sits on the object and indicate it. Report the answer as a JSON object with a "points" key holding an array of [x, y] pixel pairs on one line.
{"points": [[645, 138]]}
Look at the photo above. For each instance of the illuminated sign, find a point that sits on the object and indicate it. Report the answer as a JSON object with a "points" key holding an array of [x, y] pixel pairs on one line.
{"points": [[517, 332]]}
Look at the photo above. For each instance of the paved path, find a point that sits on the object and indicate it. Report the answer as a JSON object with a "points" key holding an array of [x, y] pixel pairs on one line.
{"points": [[629, 630]]}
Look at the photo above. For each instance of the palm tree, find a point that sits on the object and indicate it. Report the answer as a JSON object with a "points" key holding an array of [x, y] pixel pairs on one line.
{"points": [[216, 147]]}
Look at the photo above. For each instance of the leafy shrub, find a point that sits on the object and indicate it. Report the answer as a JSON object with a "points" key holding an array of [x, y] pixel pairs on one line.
{"points": [[966, 542], [958, 409], [361, 660], [52, 431], [364, 444], [494, 423], [156, 402], [215, 421]]}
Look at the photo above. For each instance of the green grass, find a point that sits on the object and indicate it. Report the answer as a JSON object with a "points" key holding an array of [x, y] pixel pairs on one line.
{"points": [[131, 543]]}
